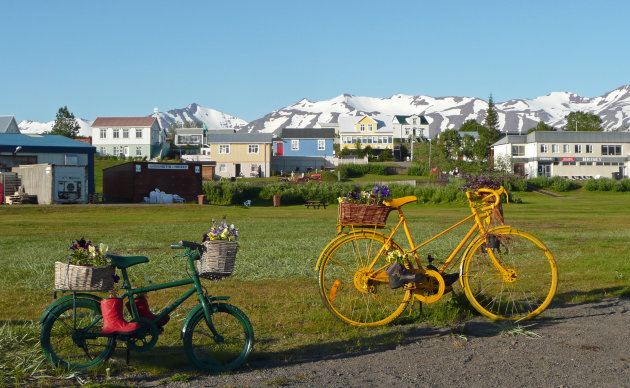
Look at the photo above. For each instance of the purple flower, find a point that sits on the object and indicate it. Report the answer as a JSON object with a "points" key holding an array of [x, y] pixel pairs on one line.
{"points": [[116, 278]]}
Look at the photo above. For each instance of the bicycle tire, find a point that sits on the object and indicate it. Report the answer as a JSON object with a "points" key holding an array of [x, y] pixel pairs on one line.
{"points": [[355, 291], [71, 336], [214, 354], [524, 290]]}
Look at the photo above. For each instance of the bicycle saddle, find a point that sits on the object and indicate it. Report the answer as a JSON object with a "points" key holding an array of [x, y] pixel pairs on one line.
{"points": [[126, 261], [398, 202]]}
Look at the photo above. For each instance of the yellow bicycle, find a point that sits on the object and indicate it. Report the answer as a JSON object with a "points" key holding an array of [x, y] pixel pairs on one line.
{"points": [[505, 273]]}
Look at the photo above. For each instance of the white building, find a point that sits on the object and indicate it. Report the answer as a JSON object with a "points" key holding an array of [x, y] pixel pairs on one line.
{"points": [[128, 136], [415, 126], [574, 155]]}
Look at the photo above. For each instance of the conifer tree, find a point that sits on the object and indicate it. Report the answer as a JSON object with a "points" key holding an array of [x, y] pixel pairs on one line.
{"points": [[65, 124], [491, 122]]}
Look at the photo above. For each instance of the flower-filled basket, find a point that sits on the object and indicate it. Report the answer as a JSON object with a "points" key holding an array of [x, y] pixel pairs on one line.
{"points": [[364, 208], [218, 254], [85, 270], [83, 278]]}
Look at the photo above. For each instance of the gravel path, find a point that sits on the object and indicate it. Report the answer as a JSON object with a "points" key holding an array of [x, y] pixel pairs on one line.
{"points": [[572, 345]]}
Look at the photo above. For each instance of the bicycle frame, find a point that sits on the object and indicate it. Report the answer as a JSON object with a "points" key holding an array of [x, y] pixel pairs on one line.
{"points": [[196, 288], [480, 214]]}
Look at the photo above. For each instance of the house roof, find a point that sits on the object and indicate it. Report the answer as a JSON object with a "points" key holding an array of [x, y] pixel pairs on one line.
{"points": [[240, 138], [383, 123], [578, 137], [5, 122], [403, 119], [146, 121], [566, 137], [37, 143], [307, 133]]}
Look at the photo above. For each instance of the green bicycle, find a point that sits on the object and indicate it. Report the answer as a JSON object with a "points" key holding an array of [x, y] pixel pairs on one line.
{"points": [[217, 336]]}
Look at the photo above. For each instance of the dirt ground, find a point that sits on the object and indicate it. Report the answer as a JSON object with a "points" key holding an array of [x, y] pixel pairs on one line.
{"points": [[570, 345]]}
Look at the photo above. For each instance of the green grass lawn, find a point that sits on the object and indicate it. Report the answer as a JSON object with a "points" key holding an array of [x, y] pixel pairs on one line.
{"points": [[274, 281]]}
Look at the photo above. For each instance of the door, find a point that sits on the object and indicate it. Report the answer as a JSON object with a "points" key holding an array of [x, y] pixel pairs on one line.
{"points": [[279, 148], [237, 169], [544, 170]]}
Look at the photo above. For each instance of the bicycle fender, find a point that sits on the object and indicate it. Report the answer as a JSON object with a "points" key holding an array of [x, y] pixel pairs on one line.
{"points": [[79, 295], [472, 243], [198, 309]]}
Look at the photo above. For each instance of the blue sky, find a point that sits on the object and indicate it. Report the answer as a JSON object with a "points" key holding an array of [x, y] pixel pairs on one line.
{"points": [[248, 58]]}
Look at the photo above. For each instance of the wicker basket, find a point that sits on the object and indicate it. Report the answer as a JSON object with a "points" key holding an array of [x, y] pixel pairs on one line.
{"points": [[361, 214], [83, 278], [217, 259]]}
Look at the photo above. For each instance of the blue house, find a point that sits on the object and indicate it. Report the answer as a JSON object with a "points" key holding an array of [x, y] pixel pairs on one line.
{"points": [[303, 149]]}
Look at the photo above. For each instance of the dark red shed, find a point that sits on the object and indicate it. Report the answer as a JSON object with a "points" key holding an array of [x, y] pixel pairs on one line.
{"points": [[133, 181]]}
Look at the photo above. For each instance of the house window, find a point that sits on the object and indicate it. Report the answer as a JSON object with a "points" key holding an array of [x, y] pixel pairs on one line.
{"points": [[578, 148], [611, 150], [544, 148], [102, 151], [414, 121], [321, 144], [555, 148], [116, 133], [138, 133], [126, 133], [362, 127], [138, 151], [566, 148], [116, 151], [224, 148], [222, 167], [518, 150], [103, 133], [252, 149], [589, 148], [295, 145], [370, 126], [406, 131]]}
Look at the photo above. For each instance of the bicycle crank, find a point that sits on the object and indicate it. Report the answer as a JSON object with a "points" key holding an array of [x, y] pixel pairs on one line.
{"points": [[431, 289]]}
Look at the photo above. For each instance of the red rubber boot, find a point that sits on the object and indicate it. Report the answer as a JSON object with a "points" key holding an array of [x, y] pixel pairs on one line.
{"points": [[113, 321], [145, 312]]}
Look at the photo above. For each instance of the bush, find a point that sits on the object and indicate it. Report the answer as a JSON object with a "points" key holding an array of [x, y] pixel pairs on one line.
{"points": [[607, 184], [230, 193], [556, 183], [358, 170]]}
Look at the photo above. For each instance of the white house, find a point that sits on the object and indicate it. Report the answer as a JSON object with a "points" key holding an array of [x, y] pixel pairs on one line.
{"points": [[128, 136], [411, 126], [575, 155]]}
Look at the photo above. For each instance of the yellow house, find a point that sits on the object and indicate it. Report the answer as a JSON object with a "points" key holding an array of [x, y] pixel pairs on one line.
{"points": [[241, 154], [374, 131]]}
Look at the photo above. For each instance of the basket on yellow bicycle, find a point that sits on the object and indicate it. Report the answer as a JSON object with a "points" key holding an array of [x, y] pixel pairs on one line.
{"points": [[217, 259], [362, 214]]}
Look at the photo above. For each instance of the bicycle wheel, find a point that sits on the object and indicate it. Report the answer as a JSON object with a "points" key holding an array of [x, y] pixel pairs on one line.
{"points": [[353, 283], [71, 336], [224, 344], [519, 285]]}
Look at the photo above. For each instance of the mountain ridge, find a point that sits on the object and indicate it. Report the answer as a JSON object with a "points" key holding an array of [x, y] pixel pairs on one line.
{"points": [[442, 112]]}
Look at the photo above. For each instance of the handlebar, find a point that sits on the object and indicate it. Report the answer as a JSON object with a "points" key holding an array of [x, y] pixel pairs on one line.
{"points": [[496, 193], [185, 244]]}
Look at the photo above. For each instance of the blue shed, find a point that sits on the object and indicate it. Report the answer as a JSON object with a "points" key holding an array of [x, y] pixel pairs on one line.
{"points": [[20, 149]]}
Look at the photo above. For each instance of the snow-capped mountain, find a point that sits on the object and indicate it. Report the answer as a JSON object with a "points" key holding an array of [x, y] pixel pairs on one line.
{"points": [[451, 112], [213, 119], [442, 112]]}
